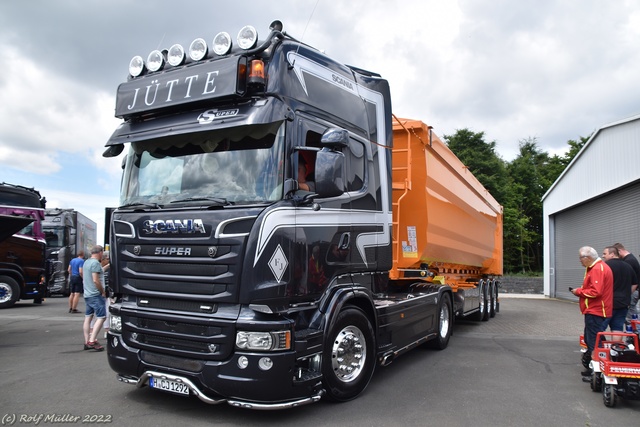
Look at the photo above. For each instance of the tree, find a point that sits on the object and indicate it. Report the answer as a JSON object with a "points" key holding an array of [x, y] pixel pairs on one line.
{"points": [[518, 186], [481, 159]]}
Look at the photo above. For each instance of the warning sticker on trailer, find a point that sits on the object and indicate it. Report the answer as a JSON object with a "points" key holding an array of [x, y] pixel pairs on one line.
{"points": [[278, 263], [410, 247]]}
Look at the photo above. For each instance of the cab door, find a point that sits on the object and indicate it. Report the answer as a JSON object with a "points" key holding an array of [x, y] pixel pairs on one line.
{"points": [[323, 226]]}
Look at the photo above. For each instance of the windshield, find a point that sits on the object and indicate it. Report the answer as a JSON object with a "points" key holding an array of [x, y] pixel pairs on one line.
{"points": [[238, 165], [54, 236]]}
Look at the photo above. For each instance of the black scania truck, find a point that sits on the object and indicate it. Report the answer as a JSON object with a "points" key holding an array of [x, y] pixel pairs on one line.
{"points": [[252, 246]]}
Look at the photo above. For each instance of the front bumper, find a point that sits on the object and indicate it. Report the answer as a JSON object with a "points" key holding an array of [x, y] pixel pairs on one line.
{"points": [[285, 385], [194, 390]]}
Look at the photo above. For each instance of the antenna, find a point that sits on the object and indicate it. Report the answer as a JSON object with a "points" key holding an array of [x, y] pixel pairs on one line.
{"points": [[305, 28], [161, 40]]}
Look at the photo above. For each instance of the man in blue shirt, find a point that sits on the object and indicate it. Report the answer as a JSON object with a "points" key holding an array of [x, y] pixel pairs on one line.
{"points": [[94, 298], [75, 281]]}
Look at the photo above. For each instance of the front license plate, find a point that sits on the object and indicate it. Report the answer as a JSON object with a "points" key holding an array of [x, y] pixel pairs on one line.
{"points": [[168, 385]]}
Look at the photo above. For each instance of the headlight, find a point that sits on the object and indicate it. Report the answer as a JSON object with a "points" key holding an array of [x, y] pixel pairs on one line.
{"points": [[263, 341], [115, 324]]}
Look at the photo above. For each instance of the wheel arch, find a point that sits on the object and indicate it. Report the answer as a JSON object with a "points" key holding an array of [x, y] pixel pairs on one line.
{"points": [[343, 297], [15, 275]]}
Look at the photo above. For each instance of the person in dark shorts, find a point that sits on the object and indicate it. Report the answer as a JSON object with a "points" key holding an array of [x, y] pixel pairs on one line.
{"points": [[75, 281], [94, 298]]}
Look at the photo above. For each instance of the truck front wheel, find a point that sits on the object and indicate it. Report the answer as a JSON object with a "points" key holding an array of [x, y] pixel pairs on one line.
{"points": [[349, 356], [9, 292], [445, 325]]}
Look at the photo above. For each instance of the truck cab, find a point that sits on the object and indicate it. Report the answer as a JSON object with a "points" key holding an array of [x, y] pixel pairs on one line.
{"points": [[22, 245], [254, 241]]}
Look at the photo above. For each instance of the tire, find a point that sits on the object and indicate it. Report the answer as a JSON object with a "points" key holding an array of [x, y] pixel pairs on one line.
{"points": [[483, 313], [9, 292], [609, 395], [596, 382], [445, 324], [493, 299], [348, 360]]}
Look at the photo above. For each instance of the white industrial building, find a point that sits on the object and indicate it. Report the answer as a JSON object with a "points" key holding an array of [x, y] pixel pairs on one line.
{"points": [[595, 202]]}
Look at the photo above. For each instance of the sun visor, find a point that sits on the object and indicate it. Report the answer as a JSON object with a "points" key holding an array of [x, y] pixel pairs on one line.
{"points": [[260, 111], [9, 225]]}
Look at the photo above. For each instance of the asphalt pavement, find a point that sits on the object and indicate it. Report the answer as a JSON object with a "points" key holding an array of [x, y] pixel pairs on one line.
{"points": [[521, 368]]}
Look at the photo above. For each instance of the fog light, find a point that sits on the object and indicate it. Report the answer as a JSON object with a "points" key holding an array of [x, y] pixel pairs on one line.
{"points": [[136, 66], [265, 363], [175, 56], [247, 37], [222, 43], [115, 342], [198, 49], [243, 362], [155, 60]]}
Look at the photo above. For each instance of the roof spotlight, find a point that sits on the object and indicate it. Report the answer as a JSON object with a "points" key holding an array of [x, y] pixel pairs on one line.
{"points": [[276, 26], [136, 66], [198, 49], [155, 60], [247, 37], [175, 56], [222, 43]]}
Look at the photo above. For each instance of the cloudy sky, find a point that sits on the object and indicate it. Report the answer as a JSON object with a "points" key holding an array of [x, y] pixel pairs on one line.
{"points": [[550, 69]]}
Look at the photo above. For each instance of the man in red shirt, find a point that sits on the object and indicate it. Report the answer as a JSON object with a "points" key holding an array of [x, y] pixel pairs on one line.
{"points": [[596, 301]]}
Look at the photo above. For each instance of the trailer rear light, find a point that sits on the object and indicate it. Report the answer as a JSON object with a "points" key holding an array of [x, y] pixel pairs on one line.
{"points": [[198, 49], [155, 61], [263, 341], [136, 66], [175, 56], [256, 73], [222, 43], [247, 37]]}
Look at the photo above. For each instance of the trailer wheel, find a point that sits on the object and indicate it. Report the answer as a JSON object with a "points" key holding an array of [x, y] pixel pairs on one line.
{"points": [[9, 292], [349, 356], [493, 299], [483, 297], [609, 395], [596, 382], [445, 325]]}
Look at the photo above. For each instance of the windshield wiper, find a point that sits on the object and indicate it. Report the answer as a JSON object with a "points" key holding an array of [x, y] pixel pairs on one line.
{"points": [[215, 200], [141, 204]]}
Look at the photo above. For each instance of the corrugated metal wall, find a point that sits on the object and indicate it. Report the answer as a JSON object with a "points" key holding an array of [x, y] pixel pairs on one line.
{"points": [[612, 218], [610, 160], [595, 202]]}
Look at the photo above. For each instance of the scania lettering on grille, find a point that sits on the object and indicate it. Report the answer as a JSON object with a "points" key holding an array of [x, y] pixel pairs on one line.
{"points": [[173, 226]]}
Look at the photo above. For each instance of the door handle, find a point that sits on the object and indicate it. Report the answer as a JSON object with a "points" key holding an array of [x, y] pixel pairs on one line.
{"points": [[345, 241]]}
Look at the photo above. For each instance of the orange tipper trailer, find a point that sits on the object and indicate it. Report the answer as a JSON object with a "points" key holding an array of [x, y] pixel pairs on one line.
{"points": [[446, 225]]}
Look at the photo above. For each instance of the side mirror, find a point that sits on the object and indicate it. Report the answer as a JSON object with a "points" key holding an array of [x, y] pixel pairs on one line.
{"points": [[329, 173], [335, 138], [113, 150]]}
